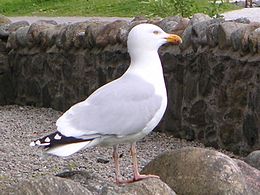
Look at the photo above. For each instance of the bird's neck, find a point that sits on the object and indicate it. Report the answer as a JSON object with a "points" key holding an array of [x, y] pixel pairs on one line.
{"points": [[145, 63], [148, 68]]}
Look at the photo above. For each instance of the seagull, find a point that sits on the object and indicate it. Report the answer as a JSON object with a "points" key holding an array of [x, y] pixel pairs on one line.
{"points": [[122, 111]]}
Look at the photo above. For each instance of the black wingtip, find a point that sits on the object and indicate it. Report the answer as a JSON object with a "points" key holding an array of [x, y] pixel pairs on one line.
{"points": [[55, 139]]}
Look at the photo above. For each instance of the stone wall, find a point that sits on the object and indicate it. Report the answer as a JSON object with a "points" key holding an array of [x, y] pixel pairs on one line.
{"points": [[213, 78]]}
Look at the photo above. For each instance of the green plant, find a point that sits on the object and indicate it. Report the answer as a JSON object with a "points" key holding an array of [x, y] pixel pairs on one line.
{"points": [[186, 8], [214, 8], [165, 8]]}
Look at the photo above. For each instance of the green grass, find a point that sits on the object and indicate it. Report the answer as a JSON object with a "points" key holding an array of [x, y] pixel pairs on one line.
{"points": [[119, 8]]}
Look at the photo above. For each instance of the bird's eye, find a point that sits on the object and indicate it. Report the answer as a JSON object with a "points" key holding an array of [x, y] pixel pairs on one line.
{"points": [[156, 32]]}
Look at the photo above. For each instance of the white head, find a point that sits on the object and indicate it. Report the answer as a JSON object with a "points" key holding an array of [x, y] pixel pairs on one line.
{"points": [[149, 37]]}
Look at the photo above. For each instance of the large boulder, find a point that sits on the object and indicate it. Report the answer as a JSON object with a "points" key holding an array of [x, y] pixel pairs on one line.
{"points": [[199, 171], [79, 182], [98, 185], [251, 175], [47, 185]]}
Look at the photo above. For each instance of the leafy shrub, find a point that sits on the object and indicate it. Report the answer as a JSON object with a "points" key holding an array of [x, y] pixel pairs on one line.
{"points": [[186, 8]]}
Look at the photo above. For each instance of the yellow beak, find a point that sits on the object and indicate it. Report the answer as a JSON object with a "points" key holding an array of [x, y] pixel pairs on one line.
{"points": [[174, 39]]}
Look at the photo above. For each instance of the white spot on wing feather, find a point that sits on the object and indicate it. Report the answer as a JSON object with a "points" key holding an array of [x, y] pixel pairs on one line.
{"points": [[57, 137], [38, 142], [47, 139]]}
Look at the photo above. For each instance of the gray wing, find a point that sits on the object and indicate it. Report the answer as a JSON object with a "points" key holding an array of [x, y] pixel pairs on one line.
{"points": [[120, 108]]}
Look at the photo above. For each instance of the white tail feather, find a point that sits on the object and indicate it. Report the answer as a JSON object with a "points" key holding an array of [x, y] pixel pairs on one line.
{"points": [[68, 149]]}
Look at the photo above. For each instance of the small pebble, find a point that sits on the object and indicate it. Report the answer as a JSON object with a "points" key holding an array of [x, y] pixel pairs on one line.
{"points": [[102, 160]]}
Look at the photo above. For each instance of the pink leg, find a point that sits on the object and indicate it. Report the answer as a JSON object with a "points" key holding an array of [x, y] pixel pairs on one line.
{"points": [[137, 175], [116, 161]]}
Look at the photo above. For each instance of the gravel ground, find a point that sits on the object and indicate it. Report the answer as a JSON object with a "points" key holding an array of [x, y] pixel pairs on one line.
{"points": [[20, 125]]}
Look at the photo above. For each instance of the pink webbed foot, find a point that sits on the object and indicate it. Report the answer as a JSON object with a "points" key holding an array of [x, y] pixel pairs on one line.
{"points": [[137, 175], [141, 177], [136, 178]]}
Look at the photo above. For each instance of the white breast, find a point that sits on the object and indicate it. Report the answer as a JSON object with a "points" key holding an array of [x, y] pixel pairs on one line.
{"points": [[150, 70]]}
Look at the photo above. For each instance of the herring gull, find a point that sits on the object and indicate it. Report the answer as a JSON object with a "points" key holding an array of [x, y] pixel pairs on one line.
{"points": [[122, 111]]}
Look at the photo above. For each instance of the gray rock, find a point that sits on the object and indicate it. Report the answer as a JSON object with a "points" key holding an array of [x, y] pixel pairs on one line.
{"points": [[144, 187], [254, 41], [240, 37], [4, 20], [197, 113], [3, 48], [78, 183], [177, 28], [198, 171], [250, 129], [253, 159], [140, 18], [242, 20], [59, 38], [47, 37], [198, 33], [199, 17], [225, 30], [21, 37], [45, 22], [227, 132], [4, 32], [7, 29], [111, 33], [174, 24], [212, 34], [47, 185], [89, 181], [186, 38], [167, 26], [35, 29], [251, 175], [16, 25], [74, 35], [236, 37], [92, 32], [97, 185], [6, 86], [11, 41]]}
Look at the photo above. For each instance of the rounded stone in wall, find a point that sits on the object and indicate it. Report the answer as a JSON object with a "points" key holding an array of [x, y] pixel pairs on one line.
{"points": [[4, 20], [253, 159], [250, 130]]}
